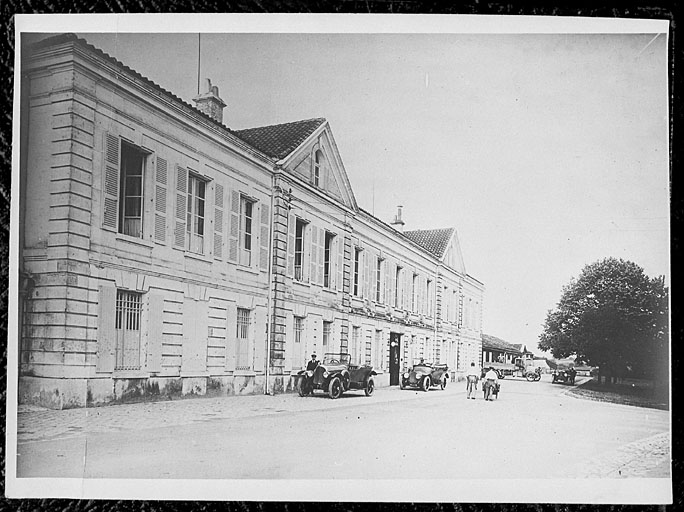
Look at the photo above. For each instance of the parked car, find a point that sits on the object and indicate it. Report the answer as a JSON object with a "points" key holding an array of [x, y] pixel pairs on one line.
{"points": [[425, 375], [335, 375]]}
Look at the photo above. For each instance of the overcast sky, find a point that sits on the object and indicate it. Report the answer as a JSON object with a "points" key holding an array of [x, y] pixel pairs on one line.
{"points": [[546, 152]]}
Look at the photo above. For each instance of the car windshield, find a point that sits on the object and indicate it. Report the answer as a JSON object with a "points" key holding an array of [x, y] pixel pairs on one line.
{"points": [[421, 362], [336, 359]]}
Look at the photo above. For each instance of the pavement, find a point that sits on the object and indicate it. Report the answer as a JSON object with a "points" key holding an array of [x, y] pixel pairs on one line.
{"points": [[636, 447]]}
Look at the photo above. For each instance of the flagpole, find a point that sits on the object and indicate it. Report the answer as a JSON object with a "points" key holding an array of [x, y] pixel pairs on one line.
{"points": [[199, 60]]}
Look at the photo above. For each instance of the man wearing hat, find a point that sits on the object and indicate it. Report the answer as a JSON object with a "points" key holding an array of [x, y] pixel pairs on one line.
{"points": [[311, 365]]}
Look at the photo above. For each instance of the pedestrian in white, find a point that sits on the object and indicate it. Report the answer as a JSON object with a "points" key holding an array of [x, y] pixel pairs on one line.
{"points": [[472, 377], [491, 380]]}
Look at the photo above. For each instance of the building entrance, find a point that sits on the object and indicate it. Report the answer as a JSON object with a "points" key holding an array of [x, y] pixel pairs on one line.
{"points": [[395, 351]]}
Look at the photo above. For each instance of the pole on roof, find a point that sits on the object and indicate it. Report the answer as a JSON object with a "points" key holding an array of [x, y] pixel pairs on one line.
{"points": [[199, 60]]}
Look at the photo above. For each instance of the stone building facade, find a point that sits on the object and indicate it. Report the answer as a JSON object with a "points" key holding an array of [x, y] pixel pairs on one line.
{"points": [[162, 253]]}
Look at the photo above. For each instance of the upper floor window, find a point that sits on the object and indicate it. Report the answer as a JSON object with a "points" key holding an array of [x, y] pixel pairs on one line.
{"points": [[300, 232], [327, 259], [414, 293], [357, 267], [397, 288], [197, 188], [327, 328], [429, 297], [378, 280], [317, 168], [131, 190], [246, 216]]}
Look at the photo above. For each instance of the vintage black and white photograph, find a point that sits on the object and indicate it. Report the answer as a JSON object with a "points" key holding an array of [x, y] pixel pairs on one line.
{"points": [[357, 258]]}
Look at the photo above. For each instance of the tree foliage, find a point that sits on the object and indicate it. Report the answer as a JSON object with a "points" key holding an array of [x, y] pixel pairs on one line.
{"points": [[613, 316]]}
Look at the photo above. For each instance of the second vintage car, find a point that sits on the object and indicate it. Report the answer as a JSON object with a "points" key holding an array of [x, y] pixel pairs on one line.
{"points": [[425, 375], [335, 375]]}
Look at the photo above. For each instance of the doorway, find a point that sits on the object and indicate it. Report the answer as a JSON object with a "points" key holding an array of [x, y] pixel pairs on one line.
{"points": [[395, 350]]}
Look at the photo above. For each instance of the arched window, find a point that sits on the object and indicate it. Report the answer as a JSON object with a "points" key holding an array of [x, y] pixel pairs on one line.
{"points": [[317, 167]]}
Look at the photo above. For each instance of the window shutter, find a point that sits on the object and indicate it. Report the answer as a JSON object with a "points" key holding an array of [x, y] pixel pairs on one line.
{"points": [[181, 206], [291, 222], [218, 221], [314, 254], [387, 277], [112, 155], [106, 329], [340, 262], [234, 226], [231, 337], [366, 273], [154, 340], [264, 237], [260, 341], [161, 180], [321, 256]]}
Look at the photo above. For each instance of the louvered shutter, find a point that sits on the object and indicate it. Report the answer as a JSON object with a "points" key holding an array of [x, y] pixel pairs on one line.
{"points": [[112, 157], [161, 180], [386, 285], [367, 256], [218, 221], [392, 283], [231, 337], [234, 226], [314, 254], [321, 255], [181, 207], [264, 236], [156, 328], [106, 329], [340, 262], [291, 223]]}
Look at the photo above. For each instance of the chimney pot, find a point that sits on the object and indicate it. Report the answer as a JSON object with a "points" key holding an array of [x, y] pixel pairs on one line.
{"points": [[210, 102], [398, 223]]}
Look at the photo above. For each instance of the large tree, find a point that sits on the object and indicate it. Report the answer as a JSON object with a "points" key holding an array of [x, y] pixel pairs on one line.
{"points": [[612, 316]]}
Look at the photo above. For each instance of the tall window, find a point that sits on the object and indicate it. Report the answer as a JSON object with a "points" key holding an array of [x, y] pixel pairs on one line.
{"points": [[300, 230], [131, 191], [242, 338], [246, 214], [327, 327], [327, 261], [356, 355], [195, 217], [298, 335], [379, 352], [127, 324], [429, 297], [414, 293], [445, 302], [318, 163], [397, 288], [357, 264], [378, 280]]}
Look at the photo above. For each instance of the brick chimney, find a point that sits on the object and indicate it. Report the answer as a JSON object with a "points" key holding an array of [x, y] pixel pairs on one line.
{"points": [[397, 223], [209, 101]]}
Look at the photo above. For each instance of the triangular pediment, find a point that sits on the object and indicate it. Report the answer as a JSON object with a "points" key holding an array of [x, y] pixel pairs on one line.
{"points": [[319, 151], [453, 257]]}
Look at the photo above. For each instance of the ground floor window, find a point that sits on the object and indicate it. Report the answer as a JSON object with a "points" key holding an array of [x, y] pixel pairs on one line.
{"points": [[242, 340], [128, 313]]}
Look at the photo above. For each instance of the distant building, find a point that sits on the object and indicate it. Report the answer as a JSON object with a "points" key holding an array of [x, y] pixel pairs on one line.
{"points": [[496, 350], [164, 253]]}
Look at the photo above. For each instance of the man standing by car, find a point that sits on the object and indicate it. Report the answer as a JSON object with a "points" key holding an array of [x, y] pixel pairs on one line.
{"points": [[311, 365], [472, 376], [491, 379]]}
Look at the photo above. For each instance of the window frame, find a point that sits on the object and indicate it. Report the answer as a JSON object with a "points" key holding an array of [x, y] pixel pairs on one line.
{"points": [[299, 249], [191, 213], [125, 148], [245, 254], [328, 258], [357, 267]]}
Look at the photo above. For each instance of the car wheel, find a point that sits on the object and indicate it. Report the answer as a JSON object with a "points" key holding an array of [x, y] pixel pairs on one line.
{"points": [[426, 384], [304, 387], [335, 388], [531, 377], [443, 384], [370, 387]]}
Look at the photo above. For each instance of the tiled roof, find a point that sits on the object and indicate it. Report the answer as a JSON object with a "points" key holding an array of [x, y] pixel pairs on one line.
{"points": [[274, 141], [279, 140], [492, 342], [434, 241]]}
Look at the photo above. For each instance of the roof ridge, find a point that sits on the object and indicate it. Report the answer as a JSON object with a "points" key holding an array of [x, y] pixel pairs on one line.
{"points": [[321, 119]]}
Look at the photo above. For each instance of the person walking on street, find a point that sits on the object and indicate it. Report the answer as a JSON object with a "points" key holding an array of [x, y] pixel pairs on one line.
{"points": [[472, 377], [491, 380]]}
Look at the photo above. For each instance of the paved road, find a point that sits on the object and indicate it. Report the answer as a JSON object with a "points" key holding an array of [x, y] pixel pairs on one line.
{"points": [[408, 434]]}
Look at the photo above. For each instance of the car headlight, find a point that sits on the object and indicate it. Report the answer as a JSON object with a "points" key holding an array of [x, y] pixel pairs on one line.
{"points": [[325, 375], [406, 375], [309, 373]]}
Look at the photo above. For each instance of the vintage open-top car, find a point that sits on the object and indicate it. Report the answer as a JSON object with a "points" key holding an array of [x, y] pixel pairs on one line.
{"points": [[335, 375], [425, 375]]}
